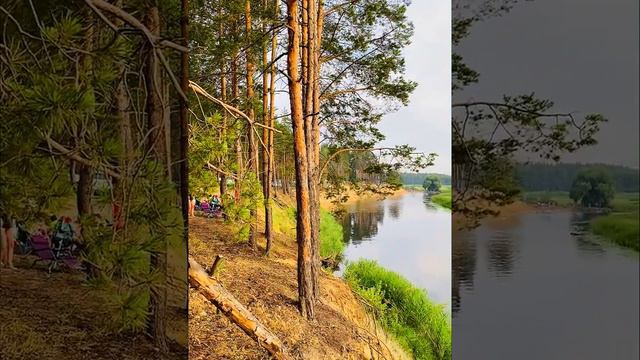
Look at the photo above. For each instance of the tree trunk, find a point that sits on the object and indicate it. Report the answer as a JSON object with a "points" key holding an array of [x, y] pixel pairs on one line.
{"points": [[269, 115], [184, 118], [312, 142], [303, 221], [270, 169], [223, 130], [315, 137], [157, 145], [84, 190], [184, 131], [213, 291], [251, 136], [126, 137], [235, 93]]}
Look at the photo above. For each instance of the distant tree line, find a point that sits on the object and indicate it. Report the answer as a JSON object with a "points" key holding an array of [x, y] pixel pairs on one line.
{"points": [[418, 178], [559, 177]]}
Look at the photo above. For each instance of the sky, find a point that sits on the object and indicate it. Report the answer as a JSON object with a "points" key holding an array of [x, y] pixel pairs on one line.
{"points": [[426, 122], [581, 54]]}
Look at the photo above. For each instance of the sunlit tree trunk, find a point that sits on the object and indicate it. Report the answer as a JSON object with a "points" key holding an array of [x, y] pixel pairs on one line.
{"points": [[303, 221], [309, 46]]}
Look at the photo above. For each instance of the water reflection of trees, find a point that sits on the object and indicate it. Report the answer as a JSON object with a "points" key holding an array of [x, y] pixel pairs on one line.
{"points": [[426, 199], [463, 265], [501, 249], [394, 209], [362, 222]]}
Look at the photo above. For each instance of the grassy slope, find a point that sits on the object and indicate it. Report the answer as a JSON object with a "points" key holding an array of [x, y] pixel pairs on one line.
{"points": [[267, 286], [421, 326]]}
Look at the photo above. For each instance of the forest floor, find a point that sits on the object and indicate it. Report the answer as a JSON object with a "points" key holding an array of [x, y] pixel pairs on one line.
{"points": [[59, 317], [267, 286]]}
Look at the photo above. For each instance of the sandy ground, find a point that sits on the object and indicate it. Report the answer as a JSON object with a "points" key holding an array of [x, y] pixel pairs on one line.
{"points": [[59, 317], [268, 288]]}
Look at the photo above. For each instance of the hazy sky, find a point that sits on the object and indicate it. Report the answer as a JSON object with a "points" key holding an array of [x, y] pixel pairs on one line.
{"points": [[582, 54], [426, 122]]}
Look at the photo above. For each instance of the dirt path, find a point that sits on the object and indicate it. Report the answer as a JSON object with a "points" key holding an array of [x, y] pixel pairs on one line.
{"points": [[59, 317], [268, 288]]}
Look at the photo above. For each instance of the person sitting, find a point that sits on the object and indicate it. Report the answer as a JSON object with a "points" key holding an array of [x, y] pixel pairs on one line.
{"points": [[62, 234], [216, 203]]}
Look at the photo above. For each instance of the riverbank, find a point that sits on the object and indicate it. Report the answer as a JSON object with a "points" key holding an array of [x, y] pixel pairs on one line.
{"points": [[621, 226], [443, 198], [267, 286], [353, 197]]}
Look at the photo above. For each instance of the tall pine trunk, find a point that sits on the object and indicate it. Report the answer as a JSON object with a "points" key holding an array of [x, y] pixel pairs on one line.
{"points": [[303, 220]]}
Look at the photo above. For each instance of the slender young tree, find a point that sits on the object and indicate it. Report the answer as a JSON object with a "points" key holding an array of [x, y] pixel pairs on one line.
{"points": [[157, 146]]}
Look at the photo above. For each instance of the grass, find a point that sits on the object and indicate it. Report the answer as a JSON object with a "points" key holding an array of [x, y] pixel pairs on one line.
{"points": [[331, 242], [622, 229], [419, 325], [444, 197], [331, 239], [621, 226]]}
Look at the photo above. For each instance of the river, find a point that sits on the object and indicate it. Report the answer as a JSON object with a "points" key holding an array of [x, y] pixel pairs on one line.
{"points": [[541, 286], [406, 235]]}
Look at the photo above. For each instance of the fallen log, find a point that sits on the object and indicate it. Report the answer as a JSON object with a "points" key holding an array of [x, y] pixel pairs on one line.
{"points": [[213, 291]]}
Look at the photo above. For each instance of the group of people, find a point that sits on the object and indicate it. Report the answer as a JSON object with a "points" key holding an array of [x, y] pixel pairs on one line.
{"points": [[212, 203], [59, 231]]}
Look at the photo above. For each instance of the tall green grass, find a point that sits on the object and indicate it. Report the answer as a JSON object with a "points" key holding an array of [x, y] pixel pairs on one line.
{"points": [[621, 227], [419, 325], [443, 198], [331, 236]]}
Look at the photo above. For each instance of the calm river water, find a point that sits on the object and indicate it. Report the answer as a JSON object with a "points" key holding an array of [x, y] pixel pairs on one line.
{"points": [[540, 286], [405, 235]]}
